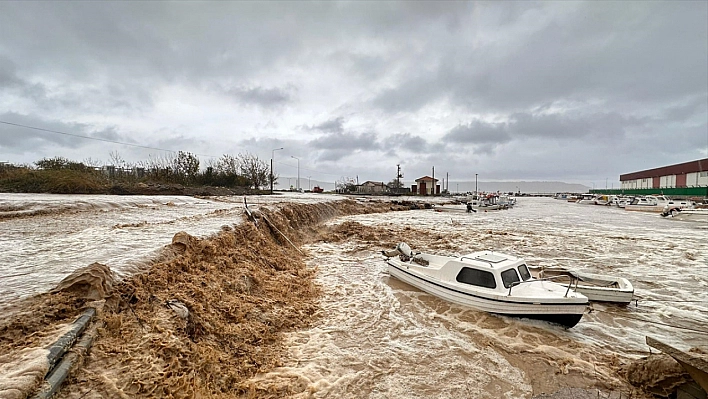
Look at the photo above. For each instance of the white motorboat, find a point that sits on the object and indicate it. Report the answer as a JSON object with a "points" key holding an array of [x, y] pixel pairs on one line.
{"points": [[649, 203], [605, 199], [694, 215], [490, 202], [677, 205], [489, 281], [598, 288], [622, 202], [587, 199]]}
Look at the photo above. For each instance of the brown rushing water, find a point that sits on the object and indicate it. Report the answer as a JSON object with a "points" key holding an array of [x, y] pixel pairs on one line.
{"points": [[379, 338]]}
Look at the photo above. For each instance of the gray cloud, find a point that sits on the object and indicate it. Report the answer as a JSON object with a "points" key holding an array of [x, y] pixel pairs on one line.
{"points": [[478, 132], [347, 141], [407, 142], [330, 126], [264, 97], [357, 86]]}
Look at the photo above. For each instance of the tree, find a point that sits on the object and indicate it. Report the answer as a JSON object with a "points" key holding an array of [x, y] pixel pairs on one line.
{"points": [[254, 170], [186, 166], [395, 184], [345, 184]]}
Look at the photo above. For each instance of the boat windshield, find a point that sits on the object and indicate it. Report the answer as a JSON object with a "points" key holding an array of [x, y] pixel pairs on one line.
{"points": [[509, 277], [524, 272]]}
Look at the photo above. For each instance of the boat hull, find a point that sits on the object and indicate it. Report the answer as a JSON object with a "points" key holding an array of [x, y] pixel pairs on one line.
{"points": [[565, 314]]}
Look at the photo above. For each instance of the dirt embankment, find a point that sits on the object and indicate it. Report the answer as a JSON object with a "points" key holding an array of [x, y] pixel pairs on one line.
{"points": [[177, 189], [202, 320]]}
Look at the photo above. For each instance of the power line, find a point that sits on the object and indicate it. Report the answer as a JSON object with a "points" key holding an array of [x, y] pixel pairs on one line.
{"points": [[137, 145], [97, 138], [311, 170]]}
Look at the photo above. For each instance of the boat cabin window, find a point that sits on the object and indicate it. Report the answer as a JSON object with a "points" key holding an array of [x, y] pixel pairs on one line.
{"points": [[524, 272], [476, 277], [509, 277]]}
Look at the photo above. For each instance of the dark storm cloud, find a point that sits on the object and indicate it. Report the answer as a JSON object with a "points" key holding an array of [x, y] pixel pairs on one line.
{"points": [[601, 126], [618, 51], [407, 142], [8, 77], [331, 126], [53, 134], [478, 132], [327, 80], [264, 97], [347, 141]]}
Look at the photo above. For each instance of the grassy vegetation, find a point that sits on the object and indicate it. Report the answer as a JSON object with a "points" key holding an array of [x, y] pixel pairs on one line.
{"points": [[62, 176], [26, 180]]}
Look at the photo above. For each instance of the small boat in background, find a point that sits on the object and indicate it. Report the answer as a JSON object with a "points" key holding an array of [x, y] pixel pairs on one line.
{"points": [[598, 288], [693, 215], [587, 199], [489, 281], [649, 203]]}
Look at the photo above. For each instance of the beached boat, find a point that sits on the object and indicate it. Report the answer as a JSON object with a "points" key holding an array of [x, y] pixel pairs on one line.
{"points": [[587, 199], [677, 205], [490, 202], [598, 288], [694, 215], [649, 203], [489, 281]]}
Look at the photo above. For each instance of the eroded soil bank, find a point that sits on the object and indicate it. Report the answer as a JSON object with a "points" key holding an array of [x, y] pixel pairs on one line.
{"points": [[243, 288]]}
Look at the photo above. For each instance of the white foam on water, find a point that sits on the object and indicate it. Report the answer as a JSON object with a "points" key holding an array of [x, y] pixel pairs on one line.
{"points": [[378, 337], [45, 237]]}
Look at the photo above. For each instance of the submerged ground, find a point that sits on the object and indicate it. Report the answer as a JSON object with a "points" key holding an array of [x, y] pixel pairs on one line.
{"points": [[315, 315]]}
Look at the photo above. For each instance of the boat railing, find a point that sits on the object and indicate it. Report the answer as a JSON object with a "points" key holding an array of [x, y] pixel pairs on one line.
{"points": [[570, 284]]}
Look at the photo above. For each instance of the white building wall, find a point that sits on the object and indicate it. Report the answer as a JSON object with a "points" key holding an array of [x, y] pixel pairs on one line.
{"points": [[697, 179], [668, 181]]}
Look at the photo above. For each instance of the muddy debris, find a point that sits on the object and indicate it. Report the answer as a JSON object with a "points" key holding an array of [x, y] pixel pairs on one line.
{"points": [[208, 314]]}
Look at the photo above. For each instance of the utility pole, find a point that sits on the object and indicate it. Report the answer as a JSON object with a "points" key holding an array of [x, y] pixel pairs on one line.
{"points": [[398, 178], [475, 185], [272, 154], [432, 190], [297, 183]]}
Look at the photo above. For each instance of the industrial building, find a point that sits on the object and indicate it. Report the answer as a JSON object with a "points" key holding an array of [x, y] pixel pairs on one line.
{"points": [[689, 179]]}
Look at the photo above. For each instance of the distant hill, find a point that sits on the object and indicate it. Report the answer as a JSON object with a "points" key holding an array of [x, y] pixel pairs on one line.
{"points": [[523, 186]]}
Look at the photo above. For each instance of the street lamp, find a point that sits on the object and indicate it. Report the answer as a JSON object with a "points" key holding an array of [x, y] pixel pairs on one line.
{"points": [[297, 183], [475, 185], [309, 184], [272, 155]]}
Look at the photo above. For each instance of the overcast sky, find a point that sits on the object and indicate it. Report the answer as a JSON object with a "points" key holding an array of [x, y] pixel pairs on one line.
{"points": [[578, 92]]}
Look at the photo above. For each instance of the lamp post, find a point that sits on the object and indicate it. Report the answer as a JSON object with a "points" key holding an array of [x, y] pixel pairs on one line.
{"points": [[297, 183], [475, 185], [272, 154], [309, 183]]}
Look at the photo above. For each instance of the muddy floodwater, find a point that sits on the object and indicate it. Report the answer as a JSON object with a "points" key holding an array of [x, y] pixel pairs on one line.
{"points": [[376, 337], [46, 237], [379, 337]]}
